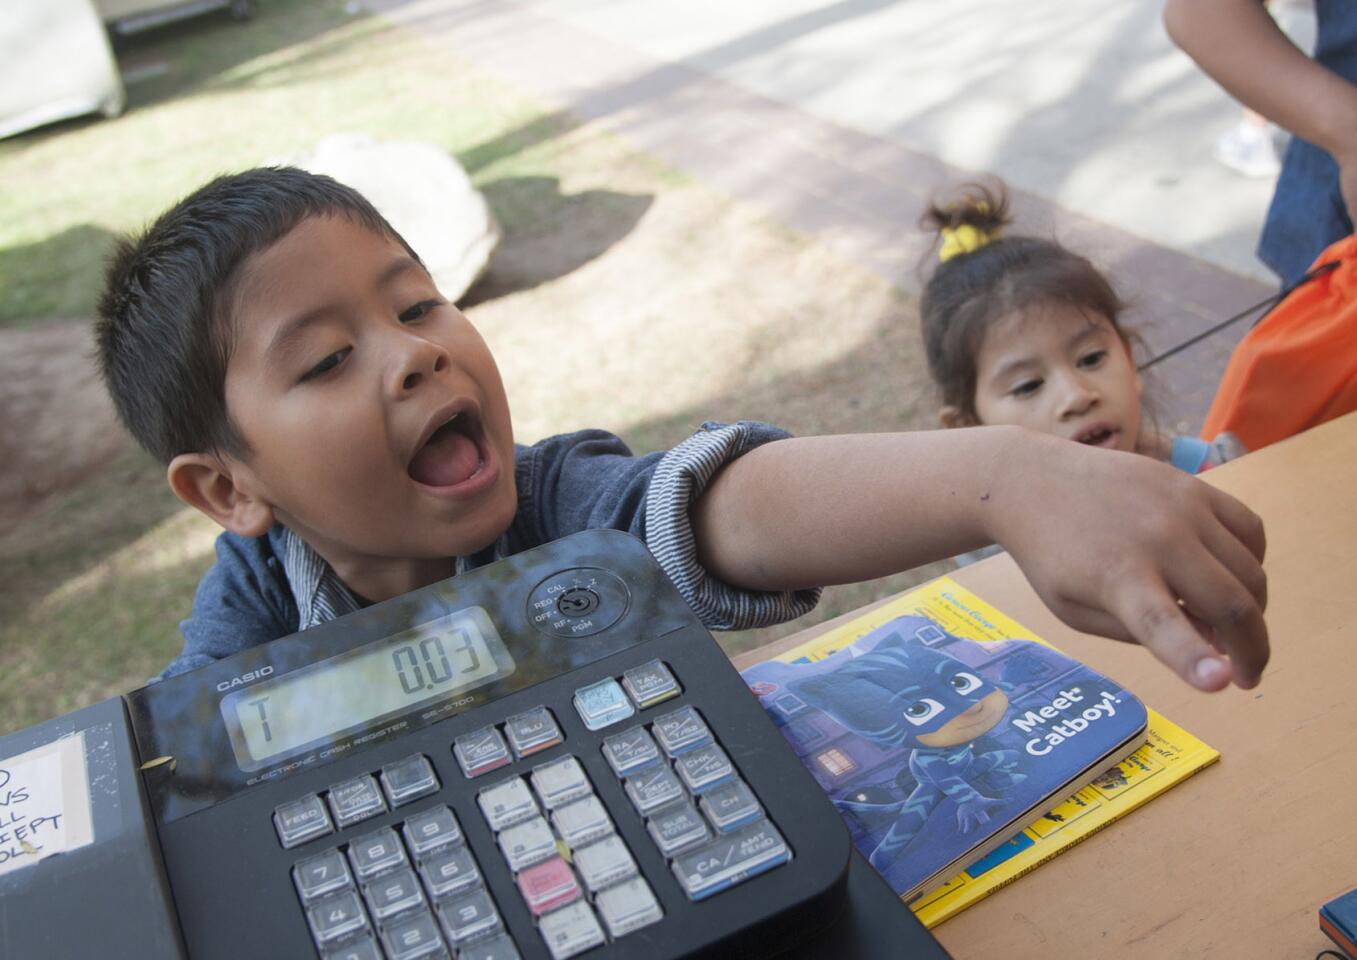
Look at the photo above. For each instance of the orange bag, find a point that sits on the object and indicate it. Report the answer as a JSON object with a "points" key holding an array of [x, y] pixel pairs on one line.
{"points": [[1298, 366]]}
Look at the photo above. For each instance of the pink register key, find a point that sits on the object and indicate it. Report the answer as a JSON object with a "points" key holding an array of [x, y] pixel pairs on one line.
{"points": [[548, 886]]}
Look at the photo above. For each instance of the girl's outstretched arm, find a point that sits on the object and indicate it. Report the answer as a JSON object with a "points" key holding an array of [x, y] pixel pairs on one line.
{"points": [[1114, 543], [1241, 47]]}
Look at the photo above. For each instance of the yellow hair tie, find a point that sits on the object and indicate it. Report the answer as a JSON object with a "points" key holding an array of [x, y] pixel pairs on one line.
{"points": [[964, 239]]}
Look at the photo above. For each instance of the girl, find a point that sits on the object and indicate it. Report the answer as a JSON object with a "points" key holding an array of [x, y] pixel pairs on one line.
{"points": [[1019, 330]]}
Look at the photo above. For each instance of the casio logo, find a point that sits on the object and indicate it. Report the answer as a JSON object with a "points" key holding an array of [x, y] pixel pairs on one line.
{"points": [[244, 678]]}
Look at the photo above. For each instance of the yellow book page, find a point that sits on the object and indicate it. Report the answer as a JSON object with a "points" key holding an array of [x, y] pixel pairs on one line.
{"points": [[1169, 755]]}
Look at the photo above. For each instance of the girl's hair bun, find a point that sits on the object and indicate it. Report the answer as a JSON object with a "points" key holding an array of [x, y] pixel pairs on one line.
{"points": [[980, 206]]}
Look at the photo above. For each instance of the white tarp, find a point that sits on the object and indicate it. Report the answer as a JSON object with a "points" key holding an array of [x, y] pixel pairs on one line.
{"points": [[55, 63]]}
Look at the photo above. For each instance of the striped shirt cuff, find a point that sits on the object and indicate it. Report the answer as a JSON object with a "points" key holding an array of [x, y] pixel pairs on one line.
{"points": [[679, 479], [320, 595]]}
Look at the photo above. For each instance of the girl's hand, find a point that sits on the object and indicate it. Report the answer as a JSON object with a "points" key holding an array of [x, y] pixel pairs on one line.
{"points": [[1123, 546]]}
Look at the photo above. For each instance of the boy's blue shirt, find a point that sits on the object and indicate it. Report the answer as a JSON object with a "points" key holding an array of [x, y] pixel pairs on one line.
{"points": [[268, 587]]}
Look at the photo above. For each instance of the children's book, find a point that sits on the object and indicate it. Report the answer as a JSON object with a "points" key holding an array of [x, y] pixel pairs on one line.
{"points": [[949, 737]]}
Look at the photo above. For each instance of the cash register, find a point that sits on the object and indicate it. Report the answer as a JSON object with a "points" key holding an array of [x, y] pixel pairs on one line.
{"points": [[546, 758]]}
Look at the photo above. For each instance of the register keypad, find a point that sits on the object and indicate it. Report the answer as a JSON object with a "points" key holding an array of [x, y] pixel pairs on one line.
{"points": [[700, 815], [414, 889]]}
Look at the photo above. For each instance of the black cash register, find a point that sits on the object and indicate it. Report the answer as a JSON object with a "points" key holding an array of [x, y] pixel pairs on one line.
{"points": [[549, 757]]}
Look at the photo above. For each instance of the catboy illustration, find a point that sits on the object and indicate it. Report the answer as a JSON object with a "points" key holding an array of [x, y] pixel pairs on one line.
{"points": [[904, 694]]}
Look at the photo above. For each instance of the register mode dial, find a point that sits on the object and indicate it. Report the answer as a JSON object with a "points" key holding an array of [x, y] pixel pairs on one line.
{"points": [[579, 602]]}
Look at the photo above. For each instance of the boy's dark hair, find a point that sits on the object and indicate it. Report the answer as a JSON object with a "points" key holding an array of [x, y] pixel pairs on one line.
{"points": [[971, 290], [164, 335]]}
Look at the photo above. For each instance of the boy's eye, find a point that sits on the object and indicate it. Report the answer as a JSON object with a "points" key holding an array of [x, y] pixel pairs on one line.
{"points": [[411, 314], [1026, 388], [326, 365], [1093, 359], [963, 682], [921, 711]]}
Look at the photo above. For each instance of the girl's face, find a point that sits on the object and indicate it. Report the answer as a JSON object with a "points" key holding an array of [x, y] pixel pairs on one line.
{"points": [[1055, 368]]}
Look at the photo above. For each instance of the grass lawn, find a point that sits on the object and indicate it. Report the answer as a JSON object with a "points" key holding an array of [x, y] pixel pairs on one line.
{"points": [[624, 296]]}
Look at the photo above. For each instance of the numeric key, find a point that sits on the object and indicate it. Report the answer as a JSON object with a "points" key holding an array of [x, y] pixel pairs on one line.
{"points": [[374, 852], [321, 874], [432, 829]]}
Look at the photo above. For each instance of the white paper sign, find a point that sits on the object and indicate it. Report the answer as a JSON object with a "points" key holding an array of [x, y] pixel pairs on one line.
{"points": [[44, 803]]}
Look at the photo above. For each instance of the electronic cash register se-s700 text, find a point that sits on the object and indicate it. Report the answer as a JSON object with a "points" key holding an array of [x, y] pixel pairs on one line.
{"points": [[548, 757]]}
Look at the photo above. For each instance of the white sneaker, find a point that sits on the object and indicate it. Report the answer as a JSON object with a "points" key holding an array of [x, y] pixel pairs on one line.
{"points": [[1248, 149]]}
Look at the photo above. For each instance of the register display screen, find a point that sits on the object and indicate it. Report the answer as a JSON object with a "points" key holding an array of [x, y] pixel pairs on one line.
{"points": [[431, 662]]}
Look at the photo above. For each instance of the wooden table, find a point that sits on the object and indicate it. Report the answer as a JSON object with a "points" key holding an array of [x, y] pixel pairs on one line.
{"points": [[1236, 861]]}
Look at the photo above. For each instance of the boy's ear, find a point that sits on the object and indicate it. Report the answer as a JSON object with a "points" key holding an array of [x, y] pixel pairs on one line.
{"points": [[950, 416], [205, 483]]}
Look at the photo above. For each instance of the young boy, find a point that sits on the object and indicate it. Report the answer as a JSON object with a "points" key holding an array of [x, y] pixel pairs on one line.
{"points": [[280, 348]]}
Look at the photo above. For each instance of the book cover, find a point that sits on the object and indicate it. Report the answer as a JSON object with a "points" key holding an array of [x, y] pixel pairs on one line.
{"points": [[939, 727]]}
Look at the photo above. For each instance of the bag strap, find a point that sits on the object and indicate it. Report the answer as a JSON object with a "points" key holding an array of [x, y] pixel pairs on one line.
{"points": [[1265, 305]]}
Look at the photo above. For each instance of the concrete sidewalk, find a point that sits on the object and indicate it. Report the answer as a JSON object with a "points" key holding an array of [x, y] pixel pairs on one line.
{"points": [[842, 119]]}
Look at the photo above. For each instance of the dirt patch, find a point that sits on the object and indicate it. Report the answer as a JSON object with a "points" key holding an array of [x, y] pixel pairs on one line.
{"points": [[56, 421]]}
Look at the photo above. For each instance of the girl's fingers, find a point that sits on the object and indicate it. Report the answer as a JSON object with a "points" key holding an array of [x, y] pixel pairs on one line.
{"points": [[1239, 560], [1148, 610], [1216, 597], [1215, 635], [1207, 633], [1246, 525], [1088, 620]]}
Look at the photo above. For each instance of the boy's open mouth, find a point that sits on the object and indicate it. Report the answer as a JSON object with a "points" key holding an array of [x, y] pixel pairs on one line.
{"points": [[453, 454], [1099, 435]]}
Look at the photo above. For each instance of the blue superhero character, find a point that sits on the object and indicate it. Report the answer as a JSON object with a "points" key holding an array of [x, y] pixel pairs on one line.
{"points": [[903, 694]]}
